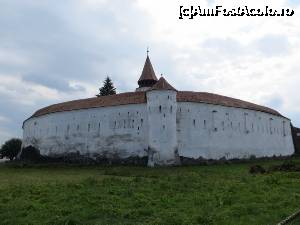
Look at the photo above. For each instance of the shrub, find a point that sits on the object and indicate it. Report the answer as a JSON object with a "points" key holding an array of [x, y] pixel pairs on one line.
{"points": [[11, 148], [256, 169], [30, 153]]}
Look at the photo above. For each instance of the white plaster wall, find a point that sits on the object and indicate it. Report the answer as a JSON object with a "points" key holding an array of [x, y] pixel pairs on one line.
{"points": [[194, 129], [213, 132], [119, 131], [162, 108]]}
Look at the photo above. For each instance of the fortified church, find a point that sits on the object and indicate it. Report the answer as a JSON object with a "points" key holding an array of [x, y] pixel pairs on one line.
{"points": [[159, 125]]}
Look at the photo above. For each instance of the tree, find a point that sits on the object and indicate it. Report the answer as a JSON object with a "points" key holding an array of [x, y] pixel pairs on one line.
{"points": [[107, 89], [11, 148]]}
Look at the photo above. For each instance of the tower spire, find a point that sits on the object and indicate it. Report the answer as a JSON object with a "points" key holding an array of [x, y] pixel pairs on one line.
{"points": [[148, 77]]}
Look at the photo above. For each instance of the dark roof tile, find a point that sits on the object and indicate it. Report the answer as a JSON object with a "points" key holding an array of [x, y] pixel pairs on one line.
{"points": [[162, 84], [140, 97], [110, 100], [148, 71], [189, 96]]}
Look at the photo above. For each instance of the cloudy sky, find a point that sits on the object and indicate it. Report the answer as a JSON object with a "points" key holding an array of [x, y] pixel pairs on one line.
{"points": [[53, 51]]}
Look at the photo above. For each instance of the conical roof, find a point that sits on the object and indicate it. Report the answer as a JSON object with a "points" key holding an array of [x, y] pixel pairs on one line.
{"points": [[162, 84], [148, 72]]}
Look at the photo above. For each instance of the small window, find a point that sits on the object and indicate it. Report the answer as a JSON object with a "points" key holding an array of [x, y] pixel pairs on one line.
{"points": [[283, 126], [89, 127], [165, 115], [78, 127], [168, 97], [164, 127], [171, 109], [160, 108], [204, 123], [194, 122]]}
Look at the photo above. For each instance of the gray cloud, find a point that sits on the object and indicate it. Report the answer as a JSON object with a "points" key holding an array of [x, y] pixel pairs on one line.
{"points": [[228, 46], [61, 51], [273, 45], [57, 43], [293, 2], [275, 102]]}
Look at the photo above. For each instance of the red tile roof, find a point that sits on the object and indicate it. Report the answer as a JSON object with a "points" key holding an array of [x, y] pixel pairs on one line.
{"points": [[103, 101], [162, 84], [204, 97], [140, 97], [148, 71]]}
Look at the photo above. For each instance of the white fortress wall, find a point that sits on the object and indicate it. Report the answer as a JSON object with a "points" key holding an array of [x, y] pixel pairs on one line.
{"points": [[194, 129], [118, 131], [214, 131], [162, 107]]}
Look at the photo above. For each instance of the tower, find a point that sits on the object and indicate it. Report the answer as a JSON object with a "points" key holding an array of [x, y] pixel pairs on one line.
{"points": [[162, 139], [148, 77]]}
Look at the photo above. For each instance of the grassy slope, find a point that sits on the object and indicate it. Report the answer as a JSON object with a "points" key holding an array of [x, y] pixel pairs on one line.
{"points": [[296, 222], [220, 194]]}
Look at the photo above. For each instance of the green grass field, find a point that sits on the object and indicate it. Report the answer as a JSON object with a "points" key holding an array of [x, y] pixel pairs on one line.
{"points": [[296, 222], [217, 194]]}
